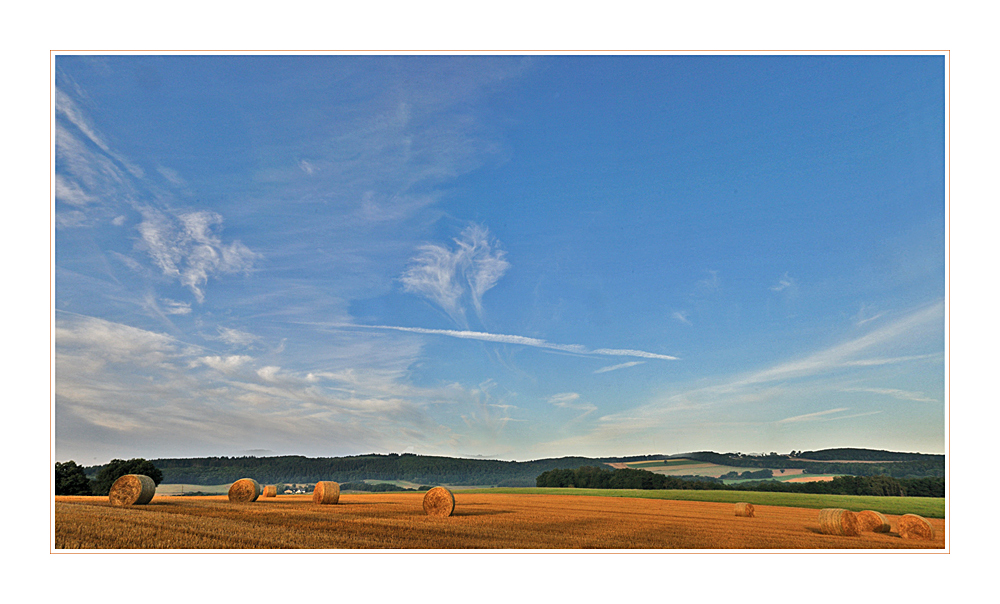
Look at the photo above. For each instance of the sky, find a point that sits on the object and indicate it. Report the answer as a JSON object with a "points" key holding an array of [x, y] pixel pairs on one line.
{"points": [[500, 256]]}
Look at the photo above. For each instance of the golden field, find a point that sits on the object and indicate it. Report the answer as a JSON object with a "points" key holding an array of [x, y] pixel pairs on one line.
{"points": [[480, 521]]}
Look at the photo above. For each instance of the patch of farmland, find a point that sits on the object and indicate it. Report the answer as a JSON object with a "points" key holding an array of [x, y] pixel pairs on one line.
{"points": [[696, 469], [814, 478], [481, 521], [847, 460], [656, 463], [800, 477]]}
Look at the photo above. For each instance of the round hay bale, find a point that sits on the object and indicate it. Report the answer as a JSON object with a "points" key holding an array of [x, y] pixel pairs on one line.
{"points": [[326, 492], [744, 509], [271, 490], [836, 521], [872, 522], [439, 502], [244, 490], [911, 526], [132, 489]]}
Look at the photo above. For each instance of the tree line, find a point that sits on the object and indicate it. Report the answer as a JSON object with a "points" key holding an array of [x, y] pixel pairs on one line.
{"points": [[598, 478], [420, 469], [72, 479]]}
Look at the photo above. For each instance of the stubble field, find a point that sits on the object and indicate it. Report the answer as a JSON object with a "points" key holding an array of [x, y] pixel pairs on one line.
{"points": [[481, 521]]}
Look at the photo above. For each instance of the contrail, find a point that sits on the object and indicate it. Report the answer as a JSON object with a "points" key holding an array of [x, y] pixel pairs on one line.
{"points": [[521, 340]]}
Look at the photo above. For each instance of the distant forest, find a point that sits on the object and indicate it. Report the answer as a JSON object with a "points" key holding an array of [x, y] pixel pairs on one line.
{"points": [[420, 469], [598, 478], [432, 470]]}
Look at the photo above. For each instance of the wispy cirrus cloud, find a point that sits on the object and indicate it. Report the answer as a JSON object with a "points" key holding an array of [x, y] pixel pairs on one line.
{"points": [[815, 376], [903, 395], [865, 316], [187, 247], [446, 277], [619, 366], [68, 109], [518, 340], [173, 307], [842, 354], [784, 283], [812, 416], [571, 400], [234, 337], [887, 360], [682, 316], [710, 283]]}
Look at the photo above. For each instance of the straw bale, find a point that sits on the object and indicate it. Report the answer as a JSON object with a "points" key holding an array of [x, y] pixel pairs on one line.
{"points": [[326, 492], [244, 490], [744, 509], [439, 502], [873, 522], [132, 489], [271, 490], [836, 521], [911, 526]]}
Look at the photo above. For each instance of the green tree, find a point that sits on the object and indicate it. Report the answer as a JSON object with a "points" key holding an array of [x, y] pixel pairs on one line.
{"points": [[71, 480], [117, 468]]}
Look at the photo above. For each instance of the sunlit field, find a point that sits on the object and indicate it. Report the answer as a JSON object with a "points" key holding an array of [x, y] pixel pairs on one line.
{"points": [[480, 521]]}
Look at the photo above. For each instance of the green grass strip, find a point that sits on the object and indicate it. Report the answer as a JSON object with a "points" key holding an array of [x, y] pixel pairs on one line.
{"points": [[929, 507]]}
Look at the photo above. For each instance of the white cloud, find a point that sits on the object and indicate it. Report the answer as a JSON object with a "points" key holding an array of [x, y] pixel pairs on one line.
{"points": [[70, 192], [172, 176], [186, 247], [564, 399], [227, 364], [620, 366], [447, 276], [710, 283], [235, 337], [571, 400], [68, 220], [173, 307], [784, 283], [98, 342], [682, 316], [268, 373]]}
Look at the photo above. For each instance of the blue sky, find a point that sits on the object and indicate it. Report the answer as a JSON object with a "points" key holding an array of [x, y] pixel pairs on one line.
{"points": [[502, 256]]}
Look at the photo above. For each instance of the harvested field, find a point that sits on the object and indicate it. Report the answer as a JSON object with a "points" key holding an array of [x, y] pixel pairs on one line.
{"points": [[480, 521], [811, 479]]}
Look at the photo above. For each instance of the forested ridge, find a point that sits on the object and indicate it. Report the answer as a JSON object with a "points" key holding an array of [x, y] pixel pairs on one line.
{"points": [[430, 470], [589, 477], [420, 469]]}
